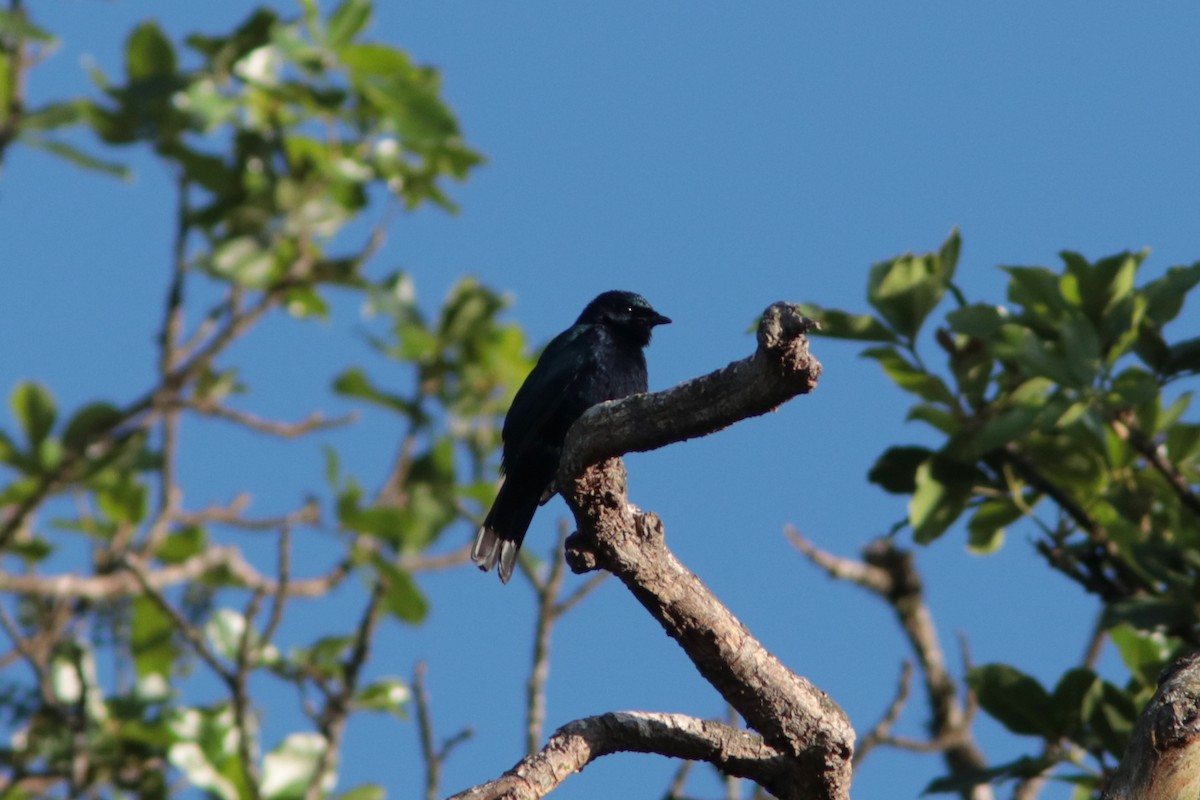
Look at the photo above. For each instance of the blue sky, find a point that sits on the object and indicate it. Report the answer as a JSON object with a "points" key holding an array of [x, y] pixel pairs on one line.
{"points": [[715, 158]]}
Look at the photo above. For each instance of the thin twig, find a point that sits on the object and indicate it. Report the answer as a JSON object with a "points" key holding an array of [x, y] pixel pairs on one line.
{"points": [[315, 421], [337, 707], [535, 687], [233, 516], [121, 584], [882, 729], [433, 766], [1127, 429]]}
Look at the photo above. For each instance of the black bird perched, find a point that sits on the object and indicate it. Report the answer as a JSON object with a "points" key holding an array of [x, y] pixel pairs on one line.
{"points": [[598, 358]]}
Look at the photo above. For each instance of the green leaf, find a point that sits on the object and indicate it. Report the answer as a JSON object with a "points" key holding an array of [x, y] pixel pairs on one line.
{"points": [[290, 769], [244, 261], [354, 383], [1005, 427], [304, 302], [1146, 614], [148, 53], [224, 631], [152, 639], [948, 255], [943, 490], [53, 115], [124, 499], [1111, 713], [1183, 442], [34, 409], [32, 550], [896, 470], [979, 319], [1133, 387], [1165, 296], [382, 522], [841, 325], [1081, 345], [78, 157], [1183, 357], [182, 544], [89, 422], [963, 780], [14, 25], [402, 599], [346, 21], [390, 695], [905, 289], [986, 527], [1145, 653], [937, 416], [1033, 355], [1098, 288], [367, 791], [1036, 289], [910, 377], [325, 656], [1070, 699], [1016, 700]]}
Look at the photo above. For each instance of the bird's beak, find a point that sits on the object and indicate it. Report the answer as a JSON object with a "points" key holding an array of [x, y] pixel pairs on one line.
{"points": [[658, 319]]}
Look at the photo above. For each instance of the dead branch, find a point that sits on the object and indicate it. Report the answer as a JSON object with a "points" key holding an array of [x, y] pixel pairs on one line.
{"points": [[578, 743]]}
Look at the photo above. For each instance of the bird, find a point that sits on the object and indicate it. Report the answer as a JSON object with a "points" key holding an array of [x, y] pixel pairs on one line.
{"points": [[598, 358]]}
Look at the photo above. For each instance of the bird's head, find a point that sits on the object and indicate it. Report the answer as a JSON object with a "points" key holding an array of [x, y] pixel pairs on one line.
{"points": [[625, 313]]}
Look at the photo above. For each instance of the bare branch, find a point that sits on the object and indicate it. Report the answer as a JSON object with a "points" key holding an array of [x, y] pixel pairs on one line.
{"points": [[779, 370], [578, 743], [433, 767], [232, 515], [539, 672], [315, 421], [793, 716], [891, 574], [881, 733], [850, 570], [332, 721], [125, 584], [433, 756]]}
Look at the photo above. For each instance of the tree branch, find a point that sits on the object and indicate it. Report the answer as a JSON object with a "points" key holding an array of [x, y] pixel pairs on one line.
{"points": [[793, 716], [1162, 760], [891, 574], [779, 370], [578, 743], [124, 584]]}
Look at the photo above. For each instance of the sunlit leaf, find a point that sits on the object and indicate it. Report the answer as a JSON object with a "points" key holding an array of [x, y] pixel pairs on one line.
{"points": [[290, 769]]}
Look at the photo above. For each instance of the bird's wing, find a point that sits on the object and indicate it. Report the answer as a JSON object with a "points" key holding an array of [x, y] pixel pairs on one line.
{"points": [[540, 400]]}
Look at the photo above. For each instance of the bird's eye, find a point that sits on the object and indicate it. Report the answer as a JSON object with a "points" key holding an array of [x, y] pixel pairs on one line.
{"points": [[628, 309]]}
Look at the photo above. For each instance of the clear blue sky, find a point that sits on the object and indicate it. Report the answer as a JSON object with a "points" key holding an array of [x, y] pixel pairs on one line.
{"points": [[714, 157]]}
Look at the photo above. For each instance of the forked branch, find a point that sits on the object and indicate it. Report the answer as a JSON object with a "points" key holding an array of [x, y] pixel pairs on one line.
{"points": [[807, 741]]}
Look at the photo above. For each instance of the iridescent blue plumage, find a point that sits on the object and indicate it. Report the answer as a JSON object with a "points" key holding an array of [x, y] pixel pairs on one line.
{"points": [[598, 358]]}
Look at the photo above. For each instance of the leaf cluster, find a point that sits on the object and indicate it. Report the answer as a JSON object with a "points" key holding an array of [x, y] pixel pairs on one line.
{"points": [[1062, 408], [287, 138]]}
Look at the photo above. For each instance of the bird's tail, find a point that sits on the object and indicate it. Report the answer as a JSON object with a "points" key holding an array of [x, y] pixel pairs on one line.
{"points": [[504, 528]]}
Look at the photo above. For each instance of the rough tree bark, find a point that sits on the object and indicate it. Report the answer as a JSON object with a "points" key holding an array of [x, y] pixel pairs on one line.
{"points": [[1162, 760], [804, 741]]}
